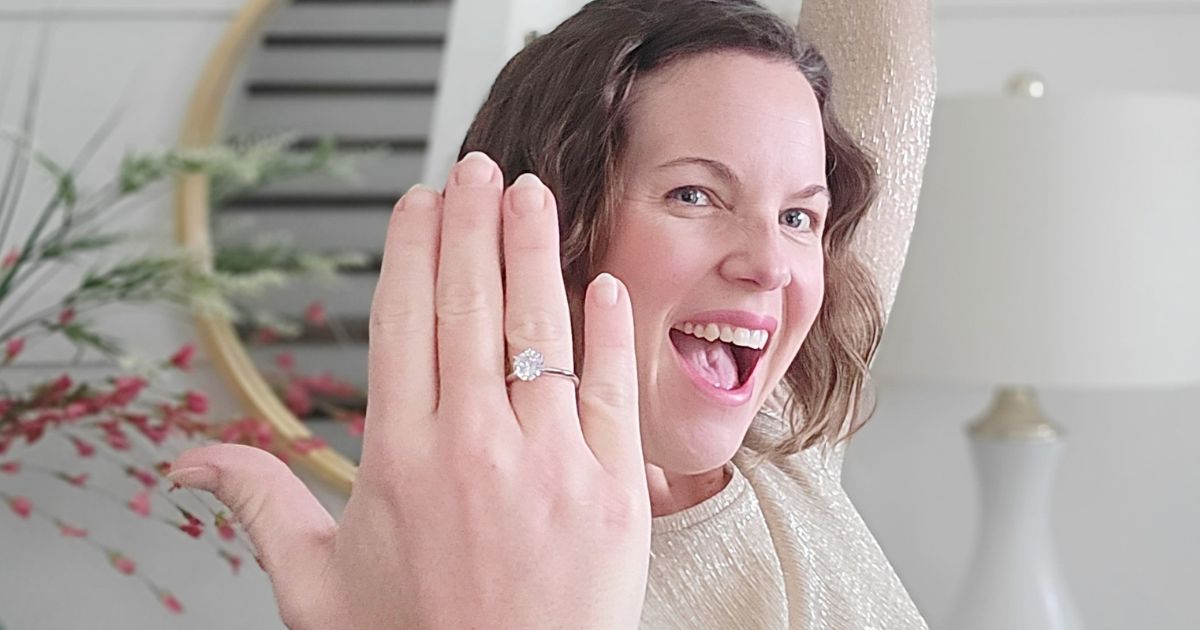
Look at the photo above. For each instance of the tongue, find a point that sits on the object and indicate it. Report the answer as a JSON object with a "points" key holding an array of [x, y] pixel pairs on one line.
{"points": [[713, 360]]}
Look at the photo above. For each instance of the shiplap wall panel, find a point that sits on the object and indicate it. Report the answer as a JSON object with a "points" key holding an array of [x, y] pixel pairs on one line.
{"points": [[320, 228], [363, 18], [324, 65], [377, 175], [348, 295], [407, 116]]}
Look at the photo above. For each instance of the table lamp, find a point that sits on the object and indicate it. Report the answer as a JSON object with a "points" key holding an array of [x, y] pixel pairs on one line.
{"points": [[1055, 246]]}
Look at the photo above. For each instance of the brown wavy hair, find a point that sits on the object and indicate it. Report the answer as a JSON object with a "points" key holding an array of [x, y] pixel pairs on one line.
{"points": [[560, 108]]}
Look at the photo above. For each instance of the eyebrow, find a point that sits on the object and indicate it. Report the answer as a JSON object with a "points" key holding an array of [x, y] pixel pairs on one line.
{"points": [[724, 172]]}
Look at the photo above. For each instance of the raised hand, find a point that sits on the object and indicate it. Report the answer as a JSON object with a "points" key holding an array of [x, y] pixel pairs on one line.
{"points": [[478, 504]]}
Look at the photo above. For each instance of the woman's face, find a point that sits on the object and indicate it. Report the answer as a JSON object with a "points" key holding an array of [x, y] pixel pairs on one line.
{"points": [[719, 233]]}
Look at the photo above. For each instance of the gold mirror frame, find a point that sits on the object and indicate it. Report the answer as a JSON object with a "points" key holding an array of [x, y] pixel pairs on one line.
{"points": [[192, 232]]}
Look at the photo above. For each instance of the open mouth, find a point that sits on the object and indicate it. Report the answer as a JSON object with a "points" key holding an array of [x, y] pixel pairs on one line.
{"points": [[721, 356]]}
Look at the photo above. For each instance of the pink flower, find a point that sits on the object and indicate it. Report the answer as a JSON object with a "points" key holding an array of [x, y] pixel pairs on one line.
{"points": [[21, 505], [326, 384], [193, 527], [357, 424], [297, 400], [307, 445], [83, 448], [266, 336], [235, 561], [127, 388], [62, 384], [117, 440], [286, 361], [315, 315], [140, 503], [75, 480], [156, 434], [121, 563], [171, 603], [182, 358], [224, 528], [66, 316], [144, 477], [195, 402], [71, 531], [252, 431], [34, 429], [10, 258], [10, 468], [13, 348]]}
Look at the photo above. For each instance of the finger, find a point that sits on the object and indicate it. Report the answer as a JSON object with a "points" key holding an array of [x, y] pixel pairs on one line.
{"points": [[402, 365], [536, 314], [290, 529], [608, 395], [468, 292]]}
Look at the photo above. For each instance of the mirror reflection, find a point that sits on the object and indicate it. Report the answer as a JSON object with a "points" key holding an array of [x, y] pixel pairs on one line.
{"points": [[353, 86]]}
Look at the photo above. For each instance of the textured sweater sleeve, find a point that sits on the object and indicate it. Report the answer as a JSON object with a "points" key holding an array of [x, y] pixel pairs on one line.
{"points": [[884, 79], [881, 55]]}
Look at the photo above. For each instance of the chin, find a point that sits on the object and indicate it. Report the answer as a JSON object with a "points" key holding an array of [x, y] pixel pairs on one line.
{"points": [[690, 442]]}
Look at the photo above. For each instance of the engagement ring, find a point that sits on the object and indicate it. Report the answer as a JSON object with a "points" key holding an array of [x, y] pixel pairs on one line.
{"points": [[530, 364]]}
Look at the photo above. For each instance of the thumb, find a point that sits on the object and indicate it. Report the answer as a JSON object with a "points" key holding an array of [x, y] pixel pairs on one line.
{"points": [[288, 526]]}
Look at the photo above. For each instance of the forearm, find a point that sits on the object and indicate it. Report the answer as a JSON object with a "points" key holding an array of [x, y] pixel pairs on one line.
{"points": [[881, 56]]}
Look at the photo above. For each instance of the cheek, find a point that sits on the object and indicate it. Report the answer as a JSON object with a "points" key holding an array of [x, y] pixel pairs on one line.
{"points": [[803, 299], [655, 260]]}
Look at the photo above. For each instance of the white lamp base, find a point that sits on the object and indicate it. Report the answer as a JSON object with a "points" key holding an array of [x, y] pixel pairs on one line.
{"points": [[1014, 581]]}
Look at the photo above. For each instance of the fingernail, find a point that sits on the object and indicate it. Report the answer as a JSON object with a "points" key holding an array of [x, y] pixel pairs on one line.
{"points": [[528, 193], [475, 169], [203, 477], [417, 196], [606, 289]]}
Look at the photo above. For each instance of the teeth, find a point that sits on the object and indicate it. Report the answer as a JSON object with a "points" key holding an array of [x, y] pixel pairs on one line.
{"points": [[744, 337]]}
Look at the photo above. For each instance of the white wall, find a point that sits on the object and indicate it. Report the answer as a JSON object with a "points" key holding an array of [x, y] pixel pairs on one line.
{"points": [[1125, 504]]}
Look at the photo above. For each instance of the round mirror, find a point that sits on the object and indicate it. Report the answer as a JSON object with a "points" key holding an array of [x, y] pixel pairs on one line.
{"points": [[314, 82]]}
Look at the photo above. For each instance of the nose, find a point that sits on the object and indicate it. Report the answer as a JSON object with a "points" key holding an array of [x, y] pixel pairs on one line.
{"points": [[758, 261]]}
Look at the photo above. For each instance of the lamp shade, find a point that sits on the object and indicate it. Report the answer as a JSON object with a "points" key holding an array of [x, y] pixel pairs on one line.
{"points": [[1057, 244]]}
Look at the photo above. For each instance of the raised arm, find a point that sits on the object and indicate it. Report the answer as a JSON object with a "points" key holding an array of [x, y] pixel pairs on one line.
{"points": [[881, 54]]}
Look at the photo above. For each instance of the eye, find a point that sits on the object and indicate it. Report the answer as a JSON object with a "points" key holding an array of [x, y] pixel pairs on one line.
{"points": [[688, 194], [795, 218]]}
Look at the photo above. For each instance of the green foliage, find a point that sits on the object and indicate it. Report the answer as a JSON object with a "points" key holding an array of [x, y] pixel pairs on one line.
{"points": [[72, 226]]}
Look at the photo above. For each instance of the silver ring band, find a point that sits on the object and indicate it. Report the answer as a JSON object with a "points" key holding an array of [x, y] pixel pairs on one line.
{"points": [[529, 364]]}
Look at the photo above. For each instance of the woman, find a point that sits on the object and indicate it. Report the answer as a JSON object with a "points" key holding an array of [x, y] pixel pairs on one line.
{"points": [[701, 273]]}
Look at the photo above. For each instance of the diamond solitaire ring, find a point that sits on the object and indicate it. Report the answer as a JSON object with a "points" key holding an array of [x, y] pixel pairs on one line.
{"points": [[530, 364]]}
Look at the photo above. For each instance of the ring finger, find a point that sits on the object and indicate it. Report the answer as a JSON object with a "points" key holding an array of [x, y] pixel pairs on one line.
{"points": [[536, 312]]}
